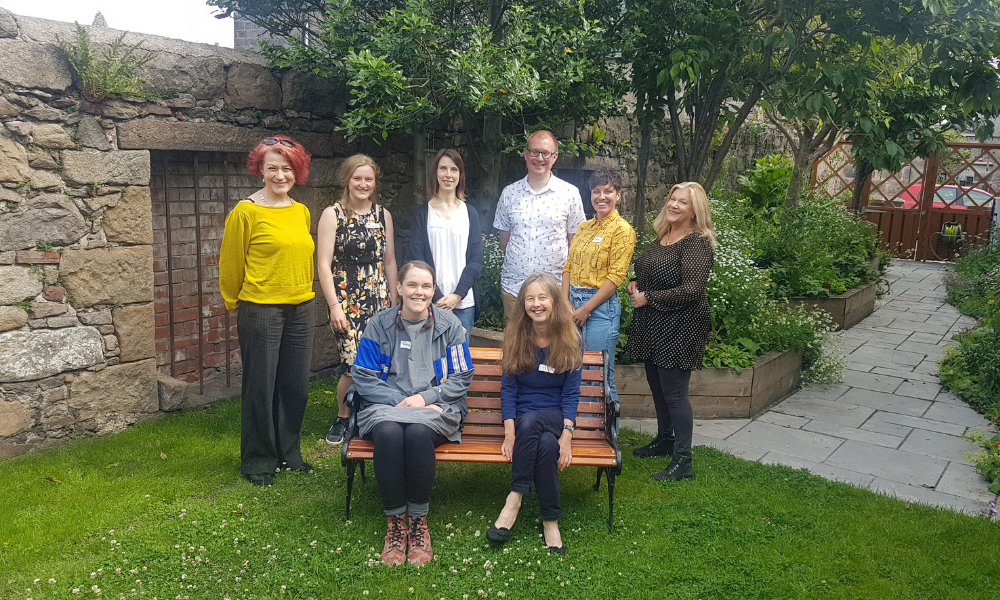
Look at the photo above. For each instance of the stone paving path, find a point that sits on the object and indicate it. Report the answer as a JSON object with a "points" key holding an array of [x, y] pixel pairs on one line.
{"points": [[888, 427]]}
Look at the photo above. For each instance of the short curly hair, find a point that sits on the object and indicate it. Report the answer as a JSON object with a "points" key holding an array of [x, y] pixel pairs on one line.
{"points": [[296, 156], [604, 176]]}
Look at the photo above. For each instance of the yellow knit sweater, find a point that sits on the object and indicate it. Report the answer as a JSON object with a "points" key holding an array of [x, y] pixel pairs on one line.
{"points": [[266, 255]]}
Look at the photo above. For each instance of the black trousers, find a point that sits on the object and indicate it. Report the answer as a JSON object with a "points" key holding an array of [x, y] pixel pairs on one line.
{"points": [[404, 466], [276, 343], [674, 418], [536, 458]]}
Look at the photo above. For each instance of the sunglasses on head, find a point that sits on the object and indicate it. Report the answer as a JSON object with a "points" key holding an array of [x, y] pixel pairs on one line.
{"points": [[273, 141]]}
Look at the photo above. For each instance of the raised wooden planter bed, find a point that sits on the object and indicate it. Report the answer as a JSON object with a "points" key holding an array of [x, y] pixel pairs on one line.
{"points": [[847, 309], [718, 393], [715, 393], [484, 338]]}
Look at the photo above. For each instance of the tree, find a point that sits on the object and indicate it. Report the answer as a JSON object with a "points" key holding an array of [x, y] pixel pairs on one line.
{"points": [[707, 63], [894, 82], [496, 66]]}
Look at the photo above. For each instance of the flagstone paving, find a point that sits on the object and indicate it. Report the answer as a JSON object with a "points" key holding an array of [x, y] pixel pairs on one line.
{"points": [[888, 427]]}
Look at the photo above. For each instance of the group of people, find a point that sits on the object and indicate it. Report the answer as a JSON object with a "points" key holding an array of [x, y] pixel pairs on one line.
{"points": [[404, 333]]}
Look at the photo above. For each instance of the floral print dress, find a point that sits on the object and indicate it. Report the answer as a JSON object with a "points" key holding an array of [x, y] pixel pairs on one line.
{"points": [[359, 273]]}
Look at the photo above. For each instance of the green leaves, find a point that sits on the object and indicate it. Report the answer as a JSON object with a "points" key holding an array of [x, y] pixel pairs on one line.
{"points": [[408, 62], [112, 71]]}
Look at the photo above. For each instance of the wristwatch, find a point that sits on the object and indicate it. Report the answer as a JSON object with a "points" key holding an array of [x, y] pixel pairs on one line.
{"points": [[571, 428]]}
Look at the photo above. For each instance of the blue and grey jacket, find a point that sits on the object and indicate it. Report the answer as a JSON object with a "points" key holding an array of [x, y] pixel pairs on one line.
{"points": [[380, 376]]}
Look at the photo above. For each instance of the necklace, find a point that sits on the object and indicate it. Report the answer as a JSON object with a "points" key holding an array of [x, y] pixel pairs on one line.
{"points": [[263, 200]]}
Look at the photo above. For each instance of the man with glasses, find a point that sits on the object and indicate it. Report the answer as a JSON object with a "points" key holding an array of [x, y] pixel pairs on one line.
{"points": [[536, 218]]}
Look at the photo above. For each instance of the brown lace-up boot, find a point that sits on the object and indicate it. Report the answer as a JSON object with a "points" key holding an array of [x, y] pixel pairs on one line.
{"points": [[419, 542], [394, 552]]}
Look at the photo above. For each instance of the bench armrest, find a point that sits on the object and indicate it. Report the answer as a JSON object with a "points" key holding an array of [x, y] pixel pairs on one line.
{"points": [[352, 401], [612, 410]]}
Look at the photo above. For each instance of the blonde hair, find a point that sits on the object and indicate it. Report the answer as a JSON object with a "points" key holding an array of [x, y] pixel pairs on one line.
{"points": [[347, 169], [702, 222], [519, 348]]}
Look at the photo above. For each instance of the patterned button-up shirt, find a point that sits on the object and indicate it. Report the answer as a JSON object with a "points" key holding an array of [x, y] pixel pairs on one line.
{"points": [[601, 251], [538, 223]]}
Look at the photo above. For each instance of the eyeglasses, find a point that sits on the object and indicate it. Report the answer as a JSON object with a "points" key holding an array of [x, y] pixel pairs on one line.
{"points": [[543, 153], [273, 141]]}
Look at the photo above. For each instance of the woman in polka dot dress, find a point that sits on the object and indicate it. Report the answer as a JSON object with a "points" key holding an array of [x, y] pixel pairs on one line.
{"points": [[672, 320]]}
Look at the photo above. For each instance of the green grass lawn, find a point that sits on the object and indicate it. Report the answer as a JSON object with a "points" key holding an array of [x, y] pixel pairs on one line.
{"points": [[160, 511]]}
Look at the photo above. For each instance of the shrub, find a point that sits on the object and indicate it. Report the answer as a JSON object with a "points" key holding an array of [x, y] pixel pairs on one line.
{"points": [[766, 185], [110, 72], [815, 248], [971, 368], [987, 458], [490, 302]]}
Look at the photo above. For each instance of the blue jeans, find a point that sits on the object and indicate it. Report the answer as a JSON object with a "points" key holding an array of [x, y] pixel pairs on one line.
{"points": [[468, 317], [600, 331]]}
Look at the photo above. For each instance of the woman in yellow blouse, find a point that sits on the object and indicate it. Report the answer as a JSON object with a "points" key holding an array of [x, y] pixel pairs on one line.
{"points": [[266, 269], [598, 262]]}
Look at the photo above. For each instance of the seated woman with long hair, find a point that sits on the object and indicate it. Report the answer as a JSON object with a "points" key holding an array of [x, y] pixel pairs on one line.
{"points": [[539, 397], [411, 374]]}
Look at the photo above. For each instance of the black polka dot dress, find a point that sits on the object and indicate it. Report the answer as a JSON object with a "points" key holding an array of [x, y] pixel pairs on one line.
{"points": [[672, 328]]}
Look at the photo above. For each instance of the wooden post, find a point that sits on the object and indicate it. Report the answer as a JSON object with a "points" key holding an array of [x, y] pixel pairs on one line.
{"points": [[922, 245]]}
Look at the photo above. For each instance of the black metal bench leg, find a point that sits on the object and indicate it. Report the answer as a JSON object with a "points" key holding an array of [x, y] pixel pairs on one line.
{"points": [[597, 485], [351, 466], [611, 500], [364, 477]]}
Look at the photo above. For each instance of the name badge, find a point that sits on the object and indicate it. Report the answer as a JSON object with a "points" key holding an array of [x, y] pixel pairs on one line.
{"points": [[546, 368], [598, 239], [373, 225], [404, 345]]}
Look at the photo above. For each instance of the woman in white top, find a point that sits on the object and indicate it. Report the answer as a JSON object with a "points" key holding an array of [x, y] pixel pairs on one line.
{"points": [[446, 235]]}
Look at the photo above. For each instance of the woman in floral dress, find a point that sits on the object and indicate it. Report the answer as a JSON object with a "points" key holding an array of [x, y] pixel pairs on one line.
{"points": [[357, 268]]}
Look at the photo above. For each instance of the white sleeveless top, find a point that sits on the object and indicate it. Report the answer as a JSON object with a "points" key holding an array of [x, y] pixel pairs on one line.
{"points": [[448, 240]]}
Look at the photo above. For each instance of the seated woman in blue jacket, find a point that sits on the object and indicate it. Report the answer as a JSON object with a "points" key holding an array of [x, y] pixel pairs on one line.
{"points": [[411, 374], [539, 397]]}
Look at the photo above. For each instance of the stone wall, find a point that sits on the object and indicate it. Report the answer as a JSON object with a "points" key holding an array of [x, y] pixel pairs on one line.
{"points": [[81, 238]]}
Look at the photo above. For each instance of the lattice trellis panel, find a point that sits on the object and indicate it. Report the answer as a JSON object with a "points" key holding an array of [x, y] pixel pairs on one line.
{"points": [[966, 185]]}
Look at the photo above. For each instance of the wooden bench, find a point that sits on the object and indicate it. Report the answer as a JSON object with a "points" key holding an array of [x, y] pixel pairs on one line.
{"points": [[595, 441]]}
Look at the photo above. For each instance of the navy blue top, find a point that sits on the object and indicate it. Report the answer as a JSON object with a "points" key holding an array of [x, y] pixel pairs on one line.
{"points": [[538, 389]]}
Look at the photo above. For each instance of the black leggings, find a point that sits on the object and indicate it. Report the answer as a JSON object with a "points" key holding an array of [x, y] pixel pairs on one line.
{"points": [[674, 417], [404, 466]]}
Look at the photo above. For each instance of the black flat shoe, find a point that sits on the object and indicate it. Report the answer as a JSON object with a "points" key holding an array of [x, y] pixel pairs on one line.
{"points": [[680, 468], [560, 550], [263, 479], [498, 535]]}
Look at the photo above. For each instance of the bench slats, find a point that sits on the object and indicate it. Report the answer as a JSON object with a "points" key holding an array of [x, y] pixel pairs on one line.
{"points": [[480, 355], [487, 431], [496, 371], [477, 449], [486, 403], [494, 418], [482, 386]]}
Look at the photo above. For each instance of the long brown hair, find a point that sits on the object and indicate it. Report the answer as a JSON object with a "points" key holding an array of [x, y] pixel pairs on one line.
{"points": [[432, 183], [347, 169], [519, 348]]}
